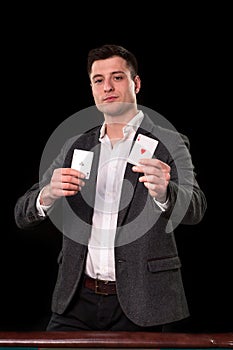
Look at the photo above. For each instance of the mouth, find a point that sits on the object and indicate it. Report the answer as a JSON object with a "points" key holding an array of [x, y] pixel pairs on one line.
{"points": [[110, 99]]}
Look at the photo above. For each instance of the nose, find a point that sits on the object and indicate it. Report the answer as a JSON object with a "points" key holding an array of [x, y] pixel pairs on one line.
{"points": [[108, 86]]}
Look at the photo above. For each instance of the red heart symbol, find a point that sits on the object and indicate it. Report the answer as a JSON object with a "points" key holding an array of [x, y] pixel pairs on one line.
{"points": [[143, 150]]}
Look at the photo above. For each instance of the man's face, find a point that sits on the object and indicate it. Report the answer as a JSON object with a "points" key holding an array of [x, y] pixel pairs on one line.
{"points": [[113, 89]]}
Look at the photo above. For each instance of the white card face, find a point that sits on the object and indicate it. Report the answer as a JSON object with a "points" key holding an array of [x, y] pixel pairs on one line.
{"points": [[143, 147], [82, 161]]}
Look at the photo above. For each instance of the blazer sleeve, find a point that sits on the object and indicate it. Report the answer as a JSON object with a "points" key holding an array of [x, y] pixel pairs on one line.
{"points": [[25, 211], [187, 200]]}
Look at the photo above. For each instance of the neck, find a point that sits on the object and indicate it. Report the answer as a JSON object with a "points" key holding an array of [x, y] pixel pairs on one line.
{"points": [[115, 131], [115, 125]]}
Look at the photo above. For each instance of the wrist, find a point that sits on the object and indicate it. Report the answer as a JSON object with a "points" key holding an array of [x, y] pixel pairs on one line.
{"points": [[46, 199]]}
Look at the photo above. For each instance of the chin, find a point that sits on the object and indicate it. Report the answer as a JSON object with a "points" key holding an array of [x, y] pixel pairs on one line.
{"points": [[114, 108]]}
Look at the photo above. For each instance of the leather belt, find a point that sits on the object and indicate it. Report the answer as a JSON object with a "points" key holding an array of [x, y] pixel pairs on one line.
{"points": [[100, 286]]}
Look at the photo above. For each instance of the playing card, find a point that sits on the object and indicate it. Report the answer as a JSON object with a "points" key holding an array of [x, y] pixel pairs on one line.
{"points": [[143, 147], [82, 161]]}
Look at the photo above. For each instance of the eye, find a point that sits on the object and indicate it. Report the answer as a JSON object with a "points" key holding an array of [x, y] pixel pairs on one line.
{"points": [[118, 77], [98, 81]]}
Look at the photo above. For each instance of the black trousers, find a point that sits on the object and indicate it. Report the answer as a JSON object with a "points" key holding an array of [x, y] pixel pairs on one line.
{"points": [[91, 311]]}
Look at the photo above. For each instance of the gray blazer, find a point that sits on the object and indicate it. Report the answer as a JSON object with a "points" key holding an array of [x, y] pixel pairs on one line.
{"points": [[148, 267]]}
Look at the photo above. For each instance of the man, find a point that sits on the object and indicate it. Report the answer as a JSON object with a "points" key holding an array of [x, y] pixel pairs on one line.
{"points": [[119, 267]]}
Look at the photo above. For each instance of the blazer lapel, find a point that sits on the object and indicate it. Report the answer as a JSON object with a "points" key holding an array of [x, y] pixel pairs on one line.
{"points": [[128, 188]]}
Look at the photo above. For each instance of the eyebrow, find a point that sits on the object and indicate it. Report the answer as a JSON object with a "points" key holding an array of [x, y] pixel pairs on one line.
{"points": [[112, 73]]}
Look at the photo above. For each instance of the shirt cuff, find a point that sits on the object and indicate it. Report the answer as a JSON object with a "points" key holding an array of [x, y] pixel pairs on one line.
{"points": [[162, 206], [42, 209]]}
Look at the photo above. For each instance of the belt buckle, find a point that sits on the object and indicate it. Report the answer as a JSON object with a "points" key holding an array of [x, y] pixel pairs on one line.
{"points": [[97, 287]]}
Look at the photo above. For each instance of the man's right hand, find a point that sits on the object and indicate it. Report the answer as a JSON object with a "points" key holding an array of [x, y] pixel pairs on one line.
{"points": [[64, 182]]}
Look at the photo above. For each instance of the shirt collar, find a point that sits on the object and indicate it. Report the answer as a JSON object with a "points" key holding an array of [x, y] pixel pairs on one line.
{"points": [[132, 125]]}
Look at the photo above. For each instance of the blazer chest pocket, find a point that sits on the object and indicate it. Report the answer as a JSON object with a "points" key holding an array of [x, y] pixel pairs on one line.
{"points": [[60, 258], [164, 264]]}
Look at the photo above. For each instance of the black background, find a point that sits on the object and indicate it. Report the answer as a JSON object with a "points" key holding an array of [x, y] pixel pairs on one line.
{"points": [[182, 60]]}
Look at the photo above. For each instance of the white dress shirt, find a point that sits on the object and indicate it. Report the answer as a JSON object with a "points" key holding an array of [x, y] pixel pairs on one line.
{"points": [[112, 164]]}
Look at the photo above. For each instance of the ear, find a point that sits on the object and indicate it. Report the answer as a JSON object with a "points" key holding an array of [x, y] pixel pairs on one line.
{"points": [[137, 83]]}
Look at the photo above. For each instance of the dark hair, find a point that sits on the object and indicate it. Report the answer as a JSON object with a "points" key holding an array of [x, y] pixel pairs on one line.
{"points": [[107, 51]]}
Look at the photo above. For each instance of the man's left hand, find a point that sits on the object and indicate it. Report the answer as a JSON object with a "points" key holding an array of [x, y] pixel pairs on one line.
{"points": [[156, 177]]}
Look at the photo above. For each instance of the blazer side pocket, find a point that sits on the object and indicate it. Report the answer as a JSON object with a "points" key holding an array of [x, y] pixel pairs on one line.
{"points": [[164, 264]]}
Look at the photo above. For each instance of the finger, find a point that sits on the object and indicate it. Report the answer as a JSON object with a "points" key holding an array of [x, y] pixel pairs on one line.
{"points": [[150, 186], [72, 186], [149, 170], [72, 180], [137, 169], [70, 190], [155, 163], [149, 178], [72, 172]]}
